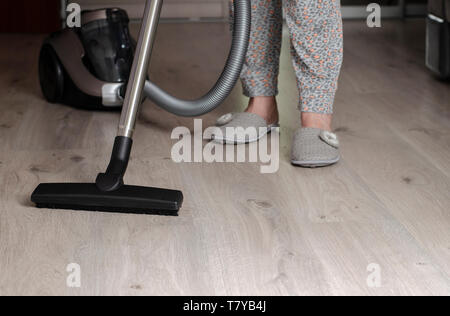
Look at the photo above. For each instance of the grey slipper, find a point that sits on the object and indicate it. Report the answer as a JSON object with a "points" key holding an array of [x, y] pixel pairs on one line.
{"points": [[241, 128], [313, 147]]}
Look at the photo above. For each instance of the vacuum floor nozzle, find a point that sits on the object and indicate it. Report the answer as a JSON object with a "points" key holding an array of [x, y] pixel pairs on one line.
{"points": [[128, 199]]}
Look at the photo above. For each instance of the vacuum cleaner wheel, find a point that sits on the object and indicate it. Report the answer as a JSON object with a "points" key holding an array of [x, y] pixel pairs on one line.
{"points": [[58, 87], [51, 75]]}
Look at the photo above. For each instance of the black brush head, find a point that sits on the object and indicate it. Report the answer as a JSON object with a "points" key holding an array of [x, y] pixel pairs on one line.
{"points": [[128, 199]]}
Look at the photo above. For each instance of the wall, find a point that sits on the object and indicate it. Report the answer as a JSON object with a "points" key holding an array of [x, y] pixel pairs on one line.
{"points": [[25, 16]]}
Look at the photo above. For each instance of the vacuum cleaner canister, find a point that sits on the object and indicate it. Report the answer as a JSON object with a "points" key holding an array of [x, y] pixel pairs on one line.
{"points": [[88, 67]]}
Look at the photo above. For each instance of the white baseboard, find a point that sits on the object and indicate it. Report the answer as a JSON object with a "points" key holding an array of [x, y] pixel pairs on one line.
{"points": [[199, 9], [360, 12], [186, 10]]}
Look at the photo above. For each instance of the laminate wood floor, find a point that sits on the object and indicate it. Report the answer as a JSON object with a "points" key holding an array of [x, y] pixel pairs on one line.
{"points": [[386, 205]]}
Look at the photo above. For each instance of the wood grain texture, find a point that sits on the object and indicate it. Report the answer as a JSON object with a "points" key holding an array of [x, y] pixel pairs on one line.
{"points": [[296, 232]]}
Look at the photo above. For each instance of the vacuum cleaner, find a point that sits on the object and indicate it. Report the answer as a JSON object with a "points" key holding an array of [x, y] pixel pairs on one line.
{"points": [[100, 67], [88, 67]]}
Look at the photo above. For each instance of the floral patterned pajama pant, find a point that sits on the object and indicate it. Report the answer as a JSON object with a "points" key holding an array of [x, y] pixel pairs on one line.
{"points": [[315, 28]]}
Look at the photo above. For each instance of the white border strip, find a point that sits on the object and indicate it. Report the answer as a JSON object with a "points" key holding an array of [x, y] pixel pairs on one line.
{"points": [[387, 12], [435, 18], [217, 10], [170, 10]]}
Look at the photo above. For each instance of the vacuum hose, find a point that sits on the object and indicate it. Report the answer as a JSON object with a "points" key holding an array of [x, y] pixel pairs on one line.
{"points": [[226, 81]]}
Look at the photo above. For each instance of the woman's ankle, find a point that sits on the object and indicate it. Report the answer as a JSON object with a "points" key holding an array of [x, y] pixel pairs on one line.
{"points": [[266, 107], [317, 120]]}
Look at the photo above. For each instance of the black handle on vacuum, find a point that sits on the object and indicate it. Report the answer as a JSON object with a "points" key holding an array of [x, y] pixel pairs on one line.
{"points": [[112, 179]]}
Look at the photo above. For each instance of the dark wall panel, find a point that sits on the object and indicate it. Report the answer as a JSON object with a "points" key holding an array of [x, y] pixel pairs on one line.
{"points": [[29, 16]]}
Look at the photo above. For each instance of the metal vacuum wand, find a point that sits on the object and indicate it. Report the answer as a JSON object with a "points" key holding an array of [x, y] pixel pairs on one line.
{"points": [[133, 96]]}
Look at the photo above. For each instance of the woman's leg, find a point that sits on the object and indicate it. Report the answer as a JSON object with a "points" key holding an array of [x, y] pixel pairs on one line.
{"points": [[260, 73], [315, 28]]}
